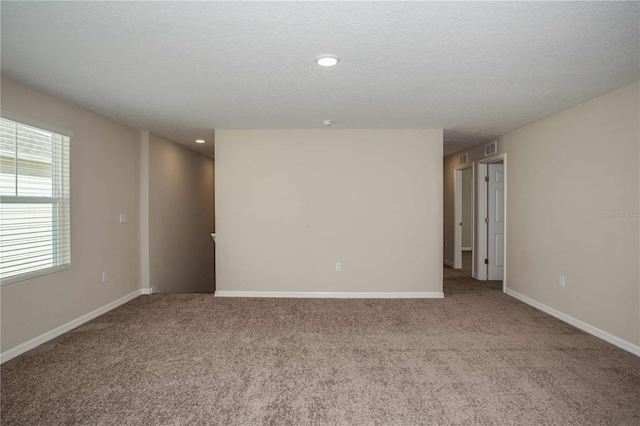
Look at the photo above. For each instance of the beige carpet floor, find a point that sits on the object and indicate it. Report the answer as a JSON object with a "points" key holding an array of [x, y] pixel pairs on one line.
{"points": [[476, 357]]}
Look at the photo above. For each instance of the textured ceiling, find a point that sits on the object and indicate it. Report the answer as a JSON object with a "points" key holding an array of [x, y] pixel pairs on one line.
{"points": [[182, 69]]}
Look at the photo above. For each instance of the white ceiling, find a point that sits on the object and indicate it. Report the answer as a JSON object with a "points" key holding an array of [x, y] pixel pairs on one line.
{"points": [[182, 69]]}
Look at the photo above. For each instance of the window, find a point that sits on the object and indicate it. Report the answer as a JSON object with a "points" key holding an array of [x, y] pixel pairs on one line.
{"points": [[34, 201]]}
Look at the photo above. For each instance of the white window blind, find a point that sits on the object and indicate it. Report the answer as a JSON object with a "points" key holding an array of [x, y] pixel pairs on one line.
{"points": [[35, 231]]}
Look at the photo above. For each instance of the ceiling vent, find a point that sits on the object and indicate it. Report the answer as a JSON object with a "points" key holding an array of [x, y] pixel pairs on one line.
{"points": [[491, 148], [464, 158]]}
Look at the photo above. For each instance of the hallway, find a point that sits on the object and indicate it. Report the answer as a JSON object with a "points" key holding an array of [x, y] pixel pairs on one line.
{"points": [[460, 281]]}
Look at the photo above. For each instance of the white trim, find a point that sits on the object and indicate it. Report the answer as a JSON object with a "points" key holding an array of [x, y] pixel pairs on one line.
{"points": [[608, 337], [448, 263], [146, 290], [35, 123], [466, 248], [49, 335], [331, 295]]}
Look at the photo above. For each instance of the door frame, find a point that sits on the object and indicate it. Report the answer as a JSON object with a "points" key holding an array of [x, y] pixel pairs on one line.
{"points": [[457, 216], [483, 212]]}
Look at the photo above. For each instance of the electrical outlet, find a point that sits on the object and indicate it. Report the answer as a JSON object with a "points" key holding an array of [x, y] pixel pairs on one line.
{"points": [[105, 276], [561, 281], [123, 218], [338, 267]]}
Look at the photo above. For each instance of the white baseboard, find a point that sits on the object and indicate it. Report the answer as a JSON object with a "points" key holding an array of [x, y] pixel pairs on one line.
{"points": [[331, 295], [43, 338], [467, 249], [614, 340], [146, 290], [449, 264]]}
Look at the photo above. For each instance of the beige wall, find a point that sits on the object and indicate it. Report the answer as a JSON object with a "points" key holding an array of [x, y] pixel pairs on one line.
{"points": [[564, 174], [292, 203], [104, 183], [181, 252]]}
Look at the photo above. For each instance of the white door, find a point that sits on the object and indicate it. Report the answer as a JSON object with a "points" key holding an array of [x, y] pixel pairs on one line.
{"points": [[495, 226]]}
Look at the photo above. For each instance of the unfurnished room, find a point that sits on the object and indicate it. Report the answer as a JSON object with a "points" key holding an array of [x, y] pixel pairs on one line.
{"points": [[319, 213]]}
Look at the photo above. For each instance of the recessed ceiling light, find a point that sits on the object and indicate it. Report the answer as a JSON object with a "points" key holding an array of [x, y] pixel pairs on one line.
{"points": [[200, 141], [327, 60]]}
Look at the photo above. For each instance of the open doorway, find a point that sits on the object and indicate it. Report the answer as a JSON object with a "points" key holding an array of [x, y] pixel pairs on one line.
{"points": [[492, 219], [464, 224]]}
